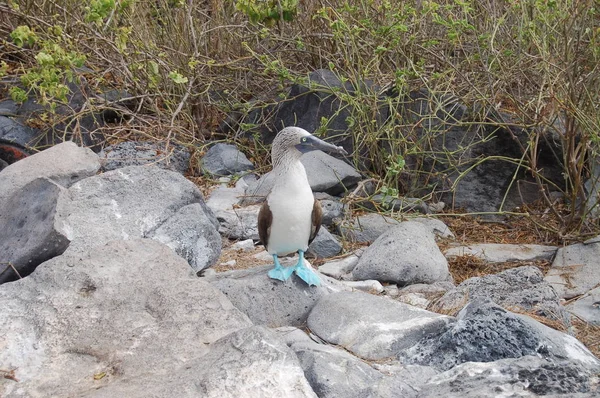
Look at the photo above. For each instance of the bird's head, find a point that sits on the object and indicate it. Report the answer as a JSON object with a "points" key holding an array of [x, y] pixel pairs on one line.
{"points": [[296, 141]]}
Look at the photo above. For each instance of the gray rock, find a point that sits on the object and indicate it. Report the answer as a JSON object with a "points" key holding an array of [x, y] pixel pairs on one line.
{"points": [[373, 287], [372, 327], [20, 136], [64, 164], [341, 268], [28, 235], [528, 376], [139, 153], [224, 198], [587, 307], [575, 269], [325, 245], [325, 174], [423, 294], [8, 108], [124, 312], [334, 373], [436, 226], [405, 254], [191, 234], [501, 253], [328, 174], [239, 223], [134, 202], [486, 332], [521, 288], [267, 301], [367, 228], [332, 209], [225, 159], [252, 362]]}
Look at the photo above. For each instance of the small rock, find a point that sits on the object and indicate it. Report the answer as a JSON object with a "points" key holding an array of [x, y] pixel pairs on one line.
{"points": [[340, 268], [587, 307], [436, 226], [224, 198], [405, 254], [502, 253], [575, 269], [421, 294], [225, 159], [139, 153], [367, 228], [373, 287], [520, 288], [239, 223], [372, 327], [28, 234], [437, 207], [244, 245], [325, 245], [64, 164], [332, 209]]}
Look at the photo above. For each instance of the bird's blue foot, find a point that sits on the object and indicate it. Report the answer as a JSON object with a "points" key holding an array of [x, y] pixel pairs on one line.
{"points": [[305, 273], [279, 272]]}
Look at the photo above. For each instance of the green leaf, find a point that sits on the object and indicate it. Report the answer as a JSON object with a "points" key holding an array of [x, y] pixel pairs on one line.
{"points": [[178, 78]]}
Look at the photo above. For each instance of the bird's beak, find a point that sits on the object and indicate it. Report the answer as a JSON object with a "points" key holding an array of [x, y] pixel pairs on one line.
{"points": [[313, 143]]}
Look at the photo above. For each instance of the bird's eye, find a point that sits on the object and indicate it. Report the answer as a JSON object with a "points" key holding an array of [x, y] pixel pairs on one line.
{"points": [[303, 139]]}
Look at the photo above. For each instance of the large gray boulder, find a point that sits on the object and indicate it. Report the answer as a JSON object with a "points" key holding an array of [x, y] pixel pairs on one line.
{"points": [[528, 376], [372, 327], [521, 288], [225, 159], [136, 202], [575, 269], [405, 254], [64, 164], [126, 311], [267, 301], [486, 332], [28, 233], [140, 153]]}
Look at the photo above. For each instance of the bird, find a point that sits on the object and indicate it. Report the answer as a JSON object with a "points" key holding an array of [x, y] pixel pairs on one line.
{"points": [[290, 218]]}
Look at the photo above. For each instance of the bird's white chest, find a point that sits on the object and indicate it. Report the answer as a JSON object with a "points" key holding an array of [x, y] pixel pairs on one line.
{"points": [[291, 203]]}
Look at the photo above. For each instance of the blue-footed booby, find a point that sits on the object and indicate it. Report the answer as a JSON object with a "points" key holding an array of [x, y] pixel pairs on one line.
{"points": [[291, 216]]}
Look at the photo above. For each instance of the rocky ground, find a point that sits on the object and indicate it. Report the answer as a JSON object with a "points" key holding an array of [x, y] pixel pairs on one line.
{"points": [[120, 279]]}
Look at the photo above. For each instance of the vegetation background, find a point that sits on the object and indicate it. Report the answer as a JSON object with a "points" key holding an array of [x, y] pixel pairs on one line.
{"points": [[189, 64]]}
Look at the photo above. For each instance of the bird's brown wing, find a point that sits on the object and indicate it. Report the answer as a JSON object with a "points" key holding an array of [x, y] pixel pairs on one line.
{"points": [[265, 219], [317, 215]]}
